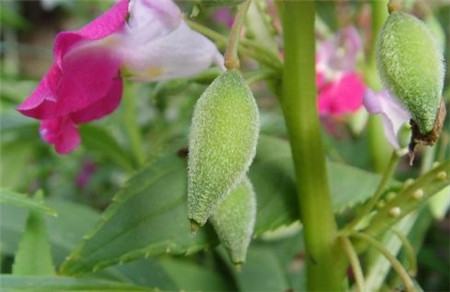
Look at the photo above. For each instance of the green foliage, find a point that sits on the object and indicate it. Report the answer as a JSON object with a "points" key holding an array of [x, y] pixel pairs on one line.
{"points": [[64, 231], [33, 257], [57, 284], [21, 200], [100, 140], [148, 216]]}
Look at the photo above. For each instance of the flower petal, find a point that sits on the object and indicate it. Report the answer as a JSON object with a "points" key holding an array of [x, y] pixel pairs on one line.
{"points": [[60, 132], [41, 102], [340, 97], [104, 25], [102, 107], [181, 53], [152, 19], [394, 116], [339, 53]]}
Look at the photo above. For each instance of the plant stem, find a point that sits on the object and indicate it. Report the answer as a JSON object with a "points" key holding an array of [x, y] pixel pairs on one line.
{"points": [[376, 197], [246, 47], [354, 262], [378, 145], [231, 56], [131, 126], [396, 265], [325, 265], [409, 249], [427, 184]]}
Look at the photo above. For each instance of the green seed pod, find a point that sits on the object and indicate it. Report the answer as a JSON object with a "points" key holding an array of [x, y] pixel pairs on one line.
{"points": [[410, 64], [222, 143], [234, 220]]}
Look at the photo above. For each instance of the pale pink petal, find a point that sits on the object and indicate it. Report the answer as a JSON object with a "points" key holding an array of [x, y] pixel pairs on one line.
{"points": [[343, 96], [181, 53], [102, 107], [106, 24], [394, 116], [60, 132], [340, 52], [150, 19]]}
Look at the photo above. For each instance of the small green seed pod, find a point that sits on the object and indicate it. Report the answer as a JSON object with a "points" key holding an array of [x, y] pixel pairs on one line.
{"points": [[410, 64], [222, 143], [234, 220]]}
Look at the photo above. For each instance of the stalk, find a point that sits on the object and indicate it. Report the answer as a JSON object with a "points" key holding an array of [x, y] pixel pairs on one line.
{"points": [[325, 262]]}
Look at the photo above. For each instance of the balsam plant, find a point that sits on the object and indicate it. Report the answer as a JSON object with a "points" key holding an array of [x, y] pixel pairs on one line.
{"points": [[222, 143], [297, 208]]}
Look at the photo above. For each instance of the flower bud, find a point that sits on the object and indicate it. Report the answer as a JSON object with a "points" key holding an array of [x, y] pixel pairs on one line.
{"points": [[234, 220], [222, 143], [410, 64]]}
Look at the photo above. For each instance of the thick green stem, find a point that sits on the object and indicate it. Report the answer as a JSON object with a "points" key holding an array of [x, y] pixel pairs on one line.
{"points": [[378, 145], [325, 266]]}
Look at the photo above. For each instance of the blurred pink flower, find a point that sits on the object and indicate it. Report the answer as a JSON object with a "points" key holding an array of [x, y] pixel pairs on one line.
{"points": [[87, 170], [393, 114], [85, 81], [340, 87], [224, 16]]}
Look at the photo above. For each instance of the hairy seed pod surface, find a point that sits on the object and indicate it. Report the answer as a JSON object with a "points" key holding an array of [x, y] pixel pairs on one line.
{"points": [[410, 63], [222, 143], [234, 220]]}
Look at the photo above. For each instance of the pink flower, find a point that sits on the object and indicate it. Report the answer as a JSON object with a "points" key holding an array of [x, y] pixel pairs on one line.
{"points": [[393, 114], [85, 81], [340, 87], [224, 16]]}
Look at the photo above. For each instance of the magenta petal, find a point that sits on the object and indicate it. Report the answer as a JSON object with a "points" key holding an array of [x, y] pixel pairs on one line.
{"points": [[102, 107], [104, 25], [62, 133], [41, 102], [89, 77], [343, 96]]}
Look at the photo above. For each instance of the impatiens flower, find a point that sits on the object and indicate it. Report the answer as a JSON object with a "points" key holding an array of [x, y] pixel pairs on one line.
{"points": [[393, 114], [340, 88], [85, 81]]}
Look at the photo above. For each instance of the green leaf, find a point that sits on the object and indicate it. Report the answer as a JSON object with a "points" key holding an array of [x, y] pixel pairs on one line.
{"points": [[262, 271], [98, 139], [273, 168], [22, 200], [14, 158], [33, 257], [350, 185], [272, 175], [65, 231], [193, 277], [148, 217], [58, 284]]}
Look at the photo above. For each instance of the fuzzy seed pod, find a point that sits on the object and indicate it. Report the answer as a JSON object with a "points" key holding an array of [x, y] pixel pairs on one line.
{"points": [[222, 143], [410, 64], [234, 220]]}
